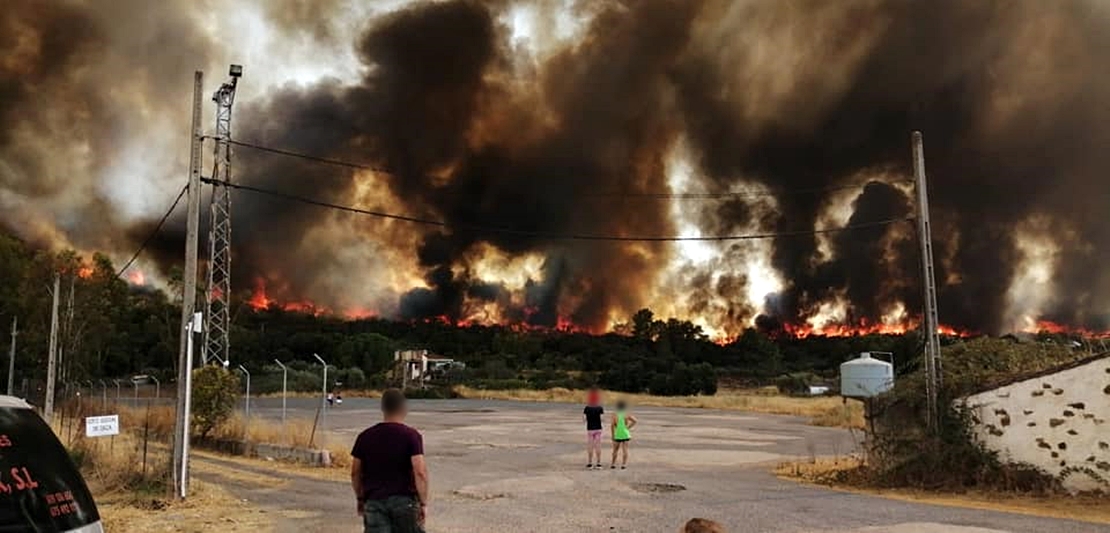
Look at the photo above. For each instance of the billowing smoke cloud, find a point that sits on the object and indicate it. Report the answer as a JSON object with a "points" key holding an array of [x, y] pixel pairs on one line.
{"points": [[572, 131], [86, 89]]}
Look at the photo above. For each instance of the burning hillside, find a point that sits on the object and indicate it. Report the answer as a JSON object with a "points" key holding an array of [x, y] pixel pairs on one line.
{"points": [[605, 121]]}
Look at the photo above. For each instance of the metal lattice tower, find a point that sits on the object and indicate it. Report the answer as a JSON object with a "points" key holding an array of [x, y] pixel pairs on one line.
{"points": [[218, 294]]}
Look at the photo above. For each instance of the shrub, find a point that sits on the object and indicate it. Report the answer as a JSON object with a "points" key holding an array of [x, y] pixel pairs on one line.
{"points": [[796, 384], [215, 391], [903, 452]]}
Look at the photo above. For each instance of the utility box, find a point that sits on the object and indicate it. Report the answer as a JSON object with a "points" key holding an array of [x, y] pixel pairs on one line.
{"points": [[865, 377]]}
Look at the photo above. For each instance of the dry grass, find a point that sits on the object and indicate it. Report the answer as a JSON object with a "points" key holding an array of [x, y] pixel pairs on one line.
{"points": [[824, 471], [822, 411], [132, 496], [294, 432], [208, 508]]}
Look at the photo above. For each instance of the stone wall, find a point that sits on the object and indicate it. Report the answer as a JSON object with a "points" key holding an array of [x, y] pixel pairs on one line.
{"points": [[1056, 422]]}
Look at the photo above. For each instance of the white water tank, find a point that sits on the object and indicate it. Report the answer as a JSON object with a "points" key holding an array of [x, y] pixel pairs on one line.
{"points": [[865, 377]]}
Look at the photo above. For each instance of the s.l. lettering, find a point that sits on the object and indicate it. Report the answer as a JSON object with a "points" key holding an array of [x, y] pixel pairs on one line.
{"points": [[23, 479]]}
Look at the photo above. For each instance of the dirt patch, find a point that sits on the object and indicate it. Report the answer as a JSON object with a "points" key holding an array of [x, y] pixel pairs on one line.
{"points": [[657, 488]]}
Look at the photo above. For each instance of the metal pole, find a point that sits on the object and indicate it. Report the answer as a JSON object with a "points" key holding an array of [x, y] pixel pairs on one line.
{"points": [[284, 381], [136, 385], [11, 357], [924, 232], [247, 402], [194, 326], [324, 398], [105, 393], [52, 361], [116, 381], [188, 294], [157, 387]]}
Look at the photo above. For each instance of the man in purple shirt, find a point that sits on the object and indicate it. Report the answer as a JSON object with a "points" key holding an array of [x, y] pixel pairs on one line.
{"points": [[388, 472]]}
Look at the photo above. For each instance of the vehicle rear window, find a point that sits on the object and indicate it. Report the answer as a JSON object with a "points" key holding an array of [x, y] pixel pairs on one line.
{"points": [[40, 487]]}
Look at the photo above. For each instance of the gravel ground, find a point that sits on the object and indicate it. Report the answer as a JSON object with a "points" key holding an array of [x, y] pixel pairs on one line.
{"points": [[520, 467]]}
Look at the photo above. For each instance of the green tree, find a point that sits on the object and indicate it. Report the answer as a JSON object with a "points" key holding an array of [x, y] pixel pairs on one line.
{"points": [[215, 391]]}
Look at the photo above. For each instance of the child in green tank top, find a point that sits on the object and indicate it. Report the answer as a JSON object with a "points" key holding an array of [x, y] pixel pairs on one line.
{"points": [[621, 426]]}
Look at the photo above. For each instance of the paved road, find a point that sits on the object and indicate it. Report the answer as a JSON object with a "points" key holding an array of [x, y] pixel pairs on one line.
{"points": [[511, 466]]}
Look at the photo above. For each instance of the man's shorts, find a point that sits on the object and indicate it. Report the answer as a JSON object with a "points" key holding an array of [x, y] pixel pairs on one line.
{"points": [[593, 436]]}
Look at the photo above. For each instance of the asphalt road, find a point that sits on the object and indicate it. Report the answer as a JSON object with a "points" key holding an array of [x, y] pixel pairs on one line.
{"points": [[513, 466]]}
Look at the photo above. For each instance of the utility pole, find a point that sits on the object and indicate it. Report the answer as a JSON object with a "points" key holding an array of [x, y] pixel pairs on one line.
{"points": [[189, 294], [11, 357], [52, 356], [64, 334], [924, 233], [218, 294]]}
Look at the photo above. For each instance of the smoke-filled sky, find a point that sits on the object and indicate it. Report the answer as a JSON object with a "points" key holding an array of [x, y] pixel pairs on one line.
{"points": [[581, 117]]}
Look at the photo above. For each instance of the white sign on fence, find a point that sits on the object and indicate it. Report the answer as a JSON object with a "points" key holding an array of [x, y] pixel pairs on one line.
{"points": [[102, 426]]}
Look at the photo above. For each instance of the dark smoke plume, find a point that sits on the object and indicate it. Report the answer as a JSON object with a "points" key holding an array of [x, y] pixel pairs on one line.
{"points": [[479, 130]]}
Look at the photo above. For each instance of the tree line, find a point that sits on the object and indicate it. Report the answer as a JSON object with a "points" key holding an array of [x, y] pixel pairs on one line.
{"points": [[111, 329]]}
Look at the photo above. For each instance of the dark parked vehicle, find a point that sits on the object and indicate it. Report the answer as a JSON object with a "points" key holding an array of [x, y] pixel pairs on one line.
{"points": [[41, 489]]}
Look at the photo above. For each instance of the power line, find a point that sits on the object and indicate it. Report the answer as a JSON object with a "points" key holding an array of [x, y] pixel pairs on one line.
{"points": [[728, 194], [157, 228], [549, 235], [325, 160], [613, 194]]}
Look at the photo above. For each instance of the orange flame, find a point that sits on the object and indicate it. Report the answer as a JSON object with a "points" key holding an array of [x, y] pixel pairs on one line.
{"points": [[1054, 328], [260, 300], [359, 313], [136, 277], [865, 327], [84, 271]]}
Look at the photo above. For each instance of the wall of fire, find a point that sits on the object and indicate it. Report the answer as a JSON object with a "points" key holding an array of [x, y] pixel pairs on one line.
{"points": [[1056, 422]]}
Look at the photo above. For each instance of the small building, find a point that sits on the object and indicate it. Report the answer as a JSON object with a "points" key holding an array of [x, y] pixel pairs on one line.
{"points": [[1056, 420], [418, 367]]}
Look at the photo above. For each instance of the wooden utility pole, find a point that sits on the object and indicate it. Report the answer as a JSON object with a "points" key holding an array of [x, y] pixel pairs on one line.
{"points": [[11, 357], [188, 296], [52, 357], [930, 324]]}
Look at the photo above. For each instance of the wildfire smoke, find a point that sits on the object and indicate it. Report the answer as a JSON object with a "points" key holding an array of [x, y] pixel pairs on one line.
{"points": [[592, 118]]}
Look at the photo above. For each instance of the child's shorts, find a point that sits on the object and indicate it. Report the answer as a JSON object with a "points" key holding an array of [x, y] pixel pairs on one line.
{"points": [[593, 436]]}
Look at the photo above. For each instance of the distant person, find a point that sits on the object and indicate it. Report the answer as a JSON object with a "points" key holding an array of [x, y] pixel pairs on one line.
{"points": [[331, 399], [622, 425], [701, 525], [592, 415], [338, 398], [388, 472]]}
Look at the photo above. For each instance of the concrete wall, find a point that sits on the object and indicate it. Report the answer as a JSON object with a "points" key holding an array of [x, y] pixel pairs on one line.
{"points": [[269, 451], [298, 455], [1057, 422]]}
